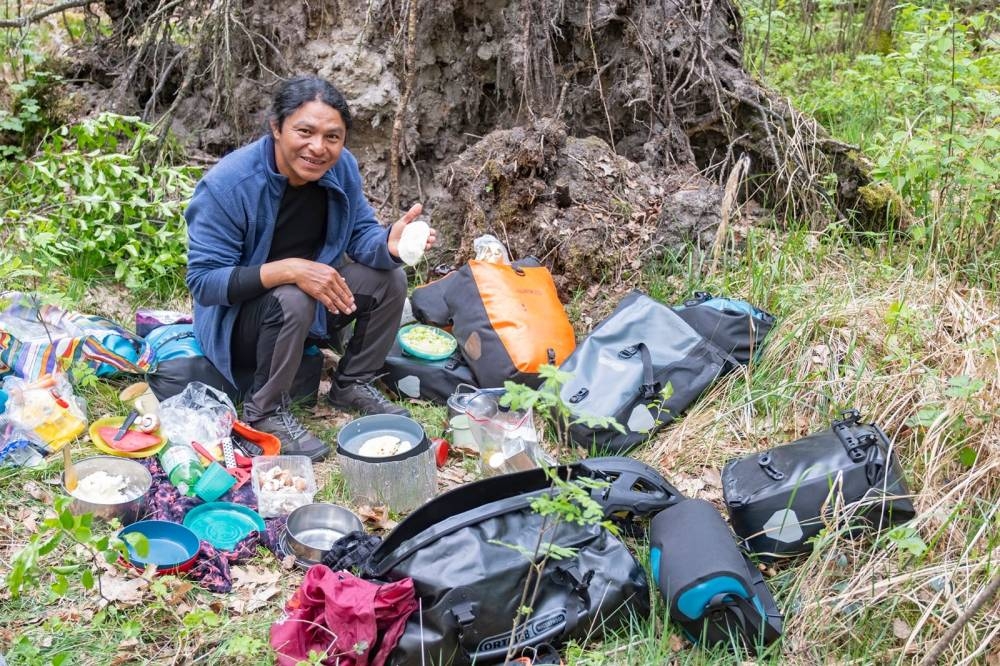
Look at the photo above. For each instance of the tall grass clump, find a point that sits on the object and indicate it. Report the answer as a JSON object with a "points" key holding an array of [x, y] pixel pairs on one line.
{"points": [[918, 354]]}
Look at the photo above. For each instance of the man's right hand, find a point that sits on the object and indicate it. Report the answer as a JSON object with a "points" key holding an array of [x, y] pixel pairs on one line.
{"points": [[320, 281]]}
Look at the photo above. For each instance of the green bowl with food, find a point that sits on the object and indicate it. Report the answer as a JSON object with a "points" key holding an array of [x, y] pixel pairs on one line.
{"points": [[426, 342]]}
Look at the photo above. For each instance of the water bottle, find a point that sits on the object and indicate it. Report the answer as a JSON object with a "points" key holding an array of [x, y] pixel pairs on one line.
{"points": [[182, 465]]}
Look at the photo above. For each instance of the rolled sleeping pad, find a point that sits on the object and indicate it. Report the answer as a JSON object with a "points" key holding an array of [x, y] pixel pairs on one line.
{"points": [[712, 589]]}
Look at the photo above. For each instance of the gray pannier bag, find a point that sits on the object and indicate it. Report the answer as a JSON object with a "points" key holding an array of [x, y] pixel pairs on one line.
{"points": [[624, 367]]}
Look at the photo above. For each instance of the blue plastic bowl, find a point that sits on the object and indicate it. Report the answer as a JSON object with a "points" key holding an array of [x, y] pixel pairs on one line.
{"points": [[172, 547], [427, 356]]}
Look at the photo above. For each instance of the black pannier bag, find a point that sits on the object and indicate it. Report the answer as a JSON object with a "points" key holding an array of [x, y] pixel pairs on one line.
{"points": [[178, 360], [462, 552], [713, 591], [776, 498], [412, 377], [735, 327], [622, 367]]}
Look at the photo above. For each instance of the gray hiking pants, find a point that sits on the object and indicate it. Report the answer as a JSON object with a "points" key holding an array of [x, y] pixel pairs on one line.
{"points": [[272, 330]]}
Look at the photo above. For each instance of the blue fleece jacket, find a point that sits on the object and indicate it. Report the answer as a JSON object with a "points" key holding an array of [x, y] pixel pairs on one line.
{"points": [[231, 220]]}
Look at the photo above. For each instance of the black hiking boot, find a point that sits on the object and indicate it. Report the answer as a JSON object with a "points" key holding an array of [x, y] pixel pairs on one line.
{"points": [[295, 439], [363, 398]]}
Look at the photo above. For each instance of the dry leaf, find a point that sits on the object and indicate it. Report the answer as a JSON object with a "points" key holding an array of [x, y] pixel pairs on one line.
{"points": [[127, 591], [128, 643], [179, 591], [288, 562], [676, 643], [260, 598], [712, 477], [253, 575], [38, 491], [900, 629], [28, 519], [689, 486], [377, 515]]}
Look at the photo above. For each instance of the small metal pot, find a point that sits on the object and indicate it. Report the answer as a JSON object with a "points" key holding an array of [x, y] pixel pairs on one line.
{"points": [[127, 512], [312, 529]]}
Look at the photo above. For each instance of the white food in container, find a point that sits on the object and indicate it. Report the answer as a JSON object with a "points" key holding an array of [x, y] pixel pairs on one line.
{"points": [[103, 488], [384, 446]]}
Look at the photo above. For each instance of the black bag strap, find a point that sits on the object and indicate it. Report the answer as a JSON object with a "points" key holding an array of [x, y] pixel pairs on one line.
{"points": [[579, 601], [752, 624], [648, 389]]}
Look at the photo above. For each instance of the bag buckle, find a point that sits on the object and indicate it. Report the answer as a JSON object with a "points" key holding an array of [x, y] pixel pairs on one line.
{"points": [[767, 464], [463, 613], [855, 446], [698, 298], [628, 352], [579, 396]]}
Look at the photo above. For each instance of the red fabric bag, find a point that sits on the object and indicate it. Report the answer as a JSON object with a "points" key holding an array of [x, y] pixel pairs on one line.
{"points": [[352, 621]]}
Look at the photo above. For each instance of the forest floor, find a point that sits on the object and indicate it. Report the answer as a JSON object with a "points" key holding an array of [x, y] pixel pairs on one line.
{"points": [[874, 327]]}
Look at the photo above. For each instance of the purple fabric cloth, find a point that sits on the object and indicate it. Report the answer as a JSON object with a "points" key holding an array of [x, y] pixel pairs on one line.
{"points": [[211, 569]]}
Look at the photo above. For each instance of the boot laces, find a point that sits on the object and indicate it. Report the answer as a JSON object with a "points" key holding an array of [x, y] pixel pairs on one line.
{"points": [[288, 421], [375, 394]]}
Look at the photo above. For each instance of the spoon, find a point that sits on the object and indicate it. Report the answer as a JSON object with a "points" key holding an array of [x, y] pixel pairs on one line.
{"points": [[69, 472]]}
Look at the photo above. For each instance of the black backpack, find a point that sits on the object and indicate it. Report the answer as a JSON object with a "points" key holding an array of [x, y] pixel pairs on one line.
{"points": [[465, 552]]}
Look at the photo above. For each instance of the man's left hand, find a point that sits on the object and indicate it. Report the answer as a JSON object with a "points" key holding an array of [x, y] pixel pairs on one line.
{"points": [[396, 232]]}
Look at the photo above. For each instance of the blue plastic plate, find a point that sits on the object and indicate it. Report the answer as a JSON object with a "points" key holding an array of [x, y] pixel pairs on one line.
{"points": [[223, 524], [170, 544]]}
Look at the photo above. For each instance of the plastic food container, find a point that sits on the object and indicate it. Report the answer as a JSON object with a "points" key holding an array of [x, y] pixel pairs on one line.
{"points": [[286, 497], [445, 340]]}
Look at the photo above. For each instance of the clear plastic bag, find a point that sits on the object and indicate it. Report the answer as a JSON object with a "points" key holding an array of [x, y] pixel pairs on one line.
{"points": [[199, 413], [489, 248], [46, 407], [20, 447]]}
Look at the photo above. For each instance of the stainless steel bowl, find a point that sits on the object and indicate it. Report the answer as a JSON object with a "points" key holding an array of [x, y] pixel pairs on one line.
{"points": [[138, 478], [312, 529]]}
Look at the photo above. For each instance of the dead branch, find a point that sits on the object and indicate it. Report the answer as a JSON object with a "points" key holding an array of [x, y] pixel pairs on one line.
{"points": [[23, 21], [984, 595], [409, 63]]}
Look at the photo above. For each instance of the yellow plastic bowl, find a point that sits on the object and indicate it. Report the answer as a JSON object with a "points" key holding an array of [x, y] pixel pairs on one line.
{"points": [[116, 422]]}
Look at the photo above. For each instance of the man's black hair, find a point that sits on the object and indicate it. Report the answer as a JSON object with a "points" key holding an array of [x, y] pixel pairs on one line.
{"points": [[304, 89]]}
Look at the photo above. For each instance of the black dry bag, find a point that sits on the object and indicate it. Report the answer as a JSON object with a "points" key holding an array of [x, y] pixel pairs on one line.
{"points": [[713, 591]]}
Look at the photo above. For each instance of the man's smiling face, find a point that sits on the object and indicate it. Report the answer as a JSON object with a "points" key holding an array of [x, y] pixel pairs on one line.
{"points": [[308, 142]]}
